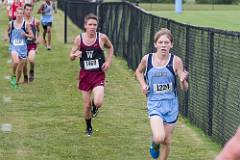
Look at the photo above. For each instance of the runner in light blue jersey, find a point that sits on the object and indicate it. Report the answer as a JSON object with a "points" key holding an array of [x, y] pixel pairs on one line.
{"points": [[162, 95], [157, 74], [18, 40], [46, 9], [18, 31]]}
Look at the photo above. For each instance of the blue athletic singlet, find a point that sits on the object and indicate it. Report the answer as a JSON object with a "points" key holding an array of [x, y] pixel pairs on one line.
{"points": [[18, 40], [162, 94], [47, 15]]}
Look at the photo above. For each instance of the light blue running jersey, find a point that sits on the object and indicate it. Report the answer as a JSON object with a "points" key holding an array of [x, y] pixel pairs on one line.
{"points": [[161, 80], [47, 15], [162, 93], [18, 41]]}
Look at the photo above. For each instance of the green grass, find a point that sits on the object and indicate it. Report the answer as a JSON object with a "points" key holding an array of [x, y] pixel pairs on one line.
{"points": [[188, 6], [225, 20], [223, 17], [47, 120]]}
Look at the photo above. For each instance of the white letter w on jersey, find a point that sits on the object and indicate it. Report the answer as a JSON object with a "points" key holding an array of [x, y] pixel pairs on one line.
{"points": [[89, 54]]}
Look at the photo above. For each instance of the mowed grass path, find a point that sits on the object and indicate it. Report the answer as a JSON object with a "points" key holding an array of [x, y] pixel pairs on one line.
{"points": [[46, 115]]}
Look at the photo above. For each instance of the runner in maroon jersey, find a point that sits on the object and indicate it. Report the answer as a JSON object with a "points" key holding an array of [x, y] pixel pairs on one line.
{"points": [[31, 43], [88, 46]]}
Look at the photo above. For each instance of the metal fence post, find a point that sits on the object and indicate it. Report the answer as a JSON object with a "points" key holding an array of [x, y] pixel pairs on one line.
{"points": [[65, 20], [210, 96], [186, 95]]}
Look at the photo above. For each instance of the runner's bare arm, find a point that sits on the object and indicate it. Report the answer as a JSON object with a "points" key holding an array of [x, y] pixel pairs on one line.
{"points": [[75, 52], [38, 36], [40, 10], [37, 24], [181, 73], [107, 44], [54, 7], [139, 74], [29, 33], [6, 34]]}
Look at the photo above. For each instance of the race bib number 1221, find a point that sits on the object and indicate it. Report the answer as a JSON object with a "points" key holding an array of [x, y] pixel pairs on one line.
{"points": [[162, 88]]}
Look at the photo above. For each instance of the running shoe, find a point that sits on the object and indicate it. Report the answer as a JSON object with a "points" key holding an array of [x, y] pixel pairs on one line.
{"points": [[49, 48], [154, 153], [13, 81], [89, 131]]}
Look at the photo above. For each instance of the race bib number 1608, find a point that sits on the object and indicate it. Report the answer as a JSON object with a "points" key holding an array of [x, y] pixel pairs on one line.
{"points": [[91, 64]]}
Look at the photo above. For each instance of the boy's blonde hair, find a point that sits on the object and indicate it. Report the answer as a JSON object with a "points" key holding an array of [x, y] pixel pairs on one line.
{"points": [[161, 32]]}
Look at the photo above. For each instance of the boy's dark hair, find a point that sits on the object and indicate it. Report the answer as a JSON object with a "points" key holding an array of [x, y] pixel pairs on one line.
{"points": [[27, 5]]}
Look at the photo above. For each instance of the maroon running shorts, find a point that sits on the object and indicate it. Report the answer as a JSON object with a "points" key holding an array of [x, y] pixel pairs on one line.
{"points": [[90, 79], [31, 47]]}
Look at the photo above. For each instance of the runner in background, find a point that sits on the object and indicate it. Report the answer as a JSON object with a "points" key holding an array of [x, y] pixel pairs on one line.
{"points": [[18, 31], [16, 4], [88, 48], [31, 43], [46, 9], [8, 4]]}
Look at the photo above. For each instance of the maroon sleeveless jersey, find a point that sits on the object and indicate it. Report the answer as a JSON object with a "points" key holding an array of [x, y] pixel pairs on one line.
{"points": [[92, 56]]}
